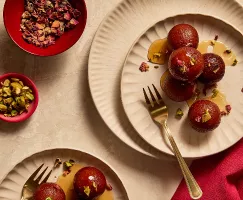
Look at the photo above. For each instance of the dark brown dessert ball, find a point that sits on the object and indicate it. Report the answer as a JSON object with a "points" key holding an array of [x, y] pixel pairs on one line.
{"points": [[183, 35], [89, 183], [214, 69], [204, 115], [177, 90], [186, 64], [51, 190]]}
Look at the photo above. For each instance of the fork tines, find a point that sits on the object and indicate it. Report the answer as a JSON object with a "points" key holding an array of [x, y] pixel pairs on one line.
{"points": [[154, 101], [37, 180]]}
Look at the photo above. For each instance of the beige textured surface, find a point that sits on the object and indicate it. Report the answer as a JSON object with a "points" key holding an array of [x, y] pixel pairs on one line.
{"points": [[67, 117]]}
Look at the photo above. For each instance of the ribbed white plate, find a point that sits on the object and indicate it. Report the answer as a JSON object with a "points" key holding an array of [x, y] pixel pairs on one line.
{"points": [[190, 142], [115, 37], [11, 186]]}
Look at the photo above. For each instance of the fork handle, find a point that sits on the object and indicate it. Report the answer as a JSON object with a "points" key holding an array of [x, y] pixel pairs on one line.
{"points": [[192, 185]]}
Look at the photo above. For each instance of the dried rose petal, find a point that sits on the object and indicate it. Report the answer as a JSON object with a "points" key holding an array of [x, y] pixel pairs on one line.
{"points": [[55, 24], [26, 15], [198, 119], [67, 16], [39, 26], [43, 21], [73, 22], [228, 108]]}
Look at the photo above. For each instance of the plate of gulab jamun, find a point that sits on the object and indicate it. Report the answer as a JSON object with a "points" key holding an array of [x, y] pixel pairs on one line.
{"points": [[196, 63], [76, 175]]}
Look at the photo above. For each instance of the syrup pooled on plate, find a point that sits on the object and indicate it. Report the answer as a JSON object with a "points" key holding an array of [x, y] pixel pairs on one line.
{"points": [[158, 51], [66, 183], [220, 49]]}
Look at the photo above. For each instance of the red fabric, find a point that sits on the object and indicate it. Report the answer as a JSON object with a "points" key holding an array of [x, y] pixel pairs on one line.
{"points": [[220, 176]]}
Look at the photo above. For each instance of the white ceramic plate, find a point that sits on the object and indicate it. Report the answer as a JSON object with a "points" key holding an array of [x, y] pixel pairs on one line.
{"points": [[190, 142], [115, 37], [11, 186]]}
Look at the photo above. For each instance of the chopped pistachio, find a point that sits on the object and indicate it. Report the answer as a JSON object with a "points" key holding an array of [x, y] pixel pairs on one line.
{"points": [[235, 62], [16, 85], [15, 79], [215, 93], [7, 91], [14, 113], [68, 164], [17, 91], [192, 61], [206, 116], [21, 83], [8, 101], [87, 190], [48, 198], [216, 70], [95, 186], [3, 108], [25, 88], [30, 96], [179, 113], [21, 101], [15, 97], [6, 83]]}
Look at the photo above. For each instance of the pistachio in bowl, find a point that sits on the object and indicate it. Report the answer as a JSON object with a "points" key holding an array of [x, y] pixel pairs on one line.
{"points": [[18, 97]]}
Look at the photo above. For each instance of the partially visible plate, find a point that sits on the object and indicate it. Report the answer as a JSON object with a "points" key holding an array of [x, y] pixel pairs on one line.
{"points": [[191, 143], [114, 38], [12, 184]]}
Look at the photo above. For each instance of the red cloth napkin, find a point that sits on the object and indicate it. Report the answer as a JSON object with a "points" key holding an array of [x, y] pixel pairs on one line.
{"points": [[220, 176]]}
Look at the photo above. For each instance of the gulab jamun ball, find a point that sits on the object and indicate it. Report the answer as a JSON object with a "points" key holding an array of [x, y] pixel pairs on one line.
{"points": [[214, 69], [204, 115], [89, 183], [183, 35], [177, 90], [186, 64], [51, 190]]}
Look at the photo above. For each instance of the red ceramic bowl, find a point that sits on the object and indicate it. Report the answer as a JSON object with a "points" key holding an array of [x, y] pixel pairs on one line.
{"points": [[13, 10], [32, 106]]}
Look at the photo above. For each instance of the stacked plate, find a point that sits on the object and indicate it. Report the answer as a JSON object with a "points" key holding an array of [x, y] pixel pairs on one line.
{"points": [[121, 45]]}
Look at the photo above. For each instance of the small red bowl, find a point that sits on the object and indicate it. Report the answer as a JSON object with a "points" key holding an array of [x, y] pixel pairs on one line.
{"points": [[13, 10], [33, 105]]}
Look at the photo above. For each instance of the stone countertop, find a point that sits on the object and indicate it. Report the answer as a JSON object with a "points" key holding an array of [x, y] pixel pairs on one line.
{"points": [[66, 115]]}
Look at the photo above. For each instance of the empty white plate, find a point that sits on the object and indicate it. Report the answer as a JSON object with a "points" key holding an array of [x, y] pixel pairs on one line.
{"points": [[191, 143]]}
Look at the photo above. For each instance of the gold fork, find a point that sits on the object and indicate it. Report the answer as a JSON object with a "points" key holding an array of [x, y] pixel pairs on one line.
{"points": [[159, 112], [32, 184]]}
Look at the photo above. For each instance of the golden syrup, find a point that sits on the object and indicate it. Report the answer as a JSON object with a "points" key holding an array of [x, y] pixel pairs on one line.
{"points": [[66, 183], [220, 100], [163, 77], [219, 48], [158, 51]]}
